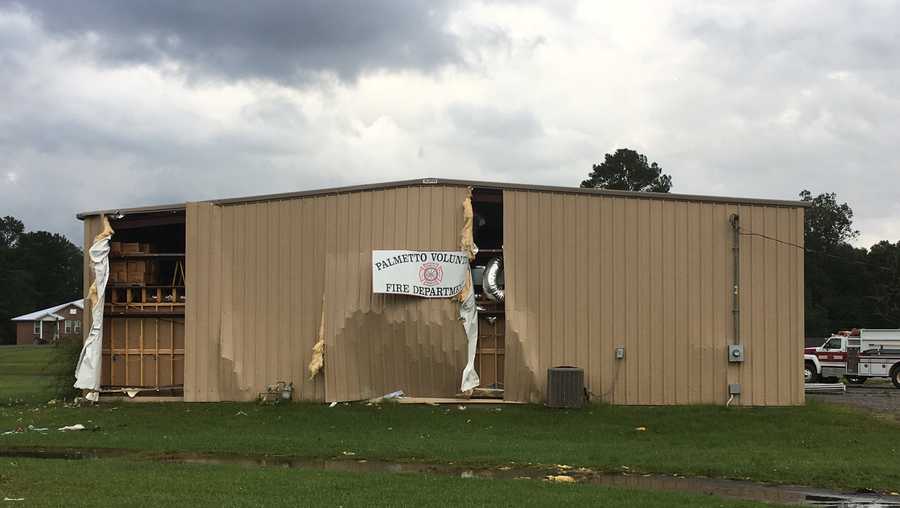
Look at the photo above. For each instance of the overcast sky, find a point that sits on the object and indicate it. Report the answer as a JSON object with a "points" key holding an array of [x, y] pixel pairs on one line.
{"points": [[108, 104]]}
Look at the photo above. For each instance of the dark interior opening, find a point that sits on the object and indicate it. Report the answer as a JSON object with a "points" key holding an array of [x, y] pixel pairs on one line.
{"points": [[488, 228], [487, 204]]}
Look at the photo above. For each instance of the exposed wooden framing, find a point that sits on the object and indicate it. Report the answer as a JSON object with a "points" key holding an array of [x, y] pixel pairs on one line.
{"points": [[112, 358], [172, 354], [126, 351], [142, 352], [148, 328], [156, 357]]}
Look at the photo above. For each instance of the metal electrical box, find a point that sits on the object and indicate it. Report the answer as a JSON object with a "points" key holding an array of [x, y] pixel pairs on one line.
{"points": [[620, 352], [736, 353]]}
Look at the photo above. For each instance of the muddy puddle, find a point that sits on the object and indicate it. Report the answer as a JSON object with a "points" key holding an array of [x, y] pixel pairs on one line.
{"points": [[734, 489]]}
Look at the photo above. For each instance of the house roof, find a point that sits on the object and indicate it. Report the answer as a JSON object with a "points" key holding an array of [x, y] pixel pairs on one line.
{"points": [[39, 315], [451, 182]]}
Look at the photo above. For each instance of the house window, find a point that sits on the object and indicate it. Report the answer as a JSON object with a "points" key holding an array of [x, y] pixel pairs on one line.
{"points": [[37, 327], [72, 326]]}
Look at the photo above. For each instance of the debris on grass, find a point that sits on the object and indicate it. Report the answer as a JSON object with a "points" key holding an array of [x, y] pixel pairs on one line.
{"points": [[386, 397], [640, 429], [69, 428], [560, 478], [332, 404]]}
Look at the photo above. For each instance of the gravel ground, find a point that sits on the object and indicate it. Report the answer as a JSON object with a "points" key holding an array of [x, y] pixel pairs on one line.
{"points": [[877, 396]]}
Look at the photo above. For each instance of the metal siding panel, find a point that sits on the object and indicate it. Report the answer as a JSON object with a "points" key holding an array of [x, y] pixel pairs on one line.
{"points": [[581, 309], [420, 342], [594, 303], [604, 357], [668, 332], [709, 364], [620, 298], [192, 345], [515, 327], [667, 297], [226, 367]]}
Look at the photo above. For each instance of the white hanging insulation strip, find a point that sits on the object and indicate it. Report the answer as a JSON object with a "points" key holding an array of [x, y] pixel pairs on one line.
{"points": [[468, 312], [87, 371]]}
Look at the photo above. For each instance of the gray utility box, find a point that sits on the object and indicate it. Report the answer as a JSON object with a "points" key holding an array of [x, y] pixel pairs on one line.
{"points": [[735, 353], [565, 387]]}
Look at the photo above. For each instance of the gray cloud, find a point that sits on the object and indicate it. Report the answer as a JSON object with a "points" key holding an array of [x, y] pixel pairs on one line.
{"points": [[281, 40], [108, 105]]}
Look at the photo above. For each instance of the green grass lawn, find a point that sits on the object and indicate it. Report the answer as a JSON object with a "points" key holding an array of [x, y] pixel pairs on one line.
{"points": [[28, 373], [819, 445], [126, 483]]}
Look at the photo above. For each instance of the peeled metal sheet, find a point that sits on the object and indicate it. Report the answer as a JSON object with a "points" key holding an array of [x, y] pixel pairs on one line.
{"points": [[87, 370]]}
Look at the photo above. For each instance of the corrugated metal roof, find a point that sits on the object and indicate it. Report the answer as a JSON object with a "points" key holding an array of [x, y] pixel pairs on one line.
{"points": [[451, 182], [40, 314]]}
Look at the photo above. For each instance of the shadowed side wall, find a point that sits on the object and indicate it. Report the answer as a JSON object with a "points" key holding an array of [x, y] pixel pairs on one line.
{"points": [[585, 274], [257, 277]]}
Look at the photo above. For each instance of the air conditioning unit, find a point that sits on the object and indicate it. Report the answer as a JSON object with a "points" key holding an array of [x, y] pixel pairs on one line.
{"points": [[565, 387]]}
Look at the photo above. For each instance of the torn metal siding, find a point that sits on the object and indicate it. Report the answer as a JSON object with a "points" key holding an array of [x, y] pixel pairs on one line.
{"points": [[377, 343], [256, 276], [92, 227], [254, 285], [585, 273]]}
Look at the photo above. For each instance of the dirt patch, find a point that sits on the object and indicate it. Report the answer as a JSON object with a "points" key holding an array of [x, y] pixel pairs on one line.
{"points": [[878, 397]]}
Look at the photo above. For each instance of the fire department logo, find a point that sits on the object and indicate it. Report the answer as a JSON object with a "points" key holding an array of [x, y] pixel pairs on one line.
{"points": [[431, 274]]}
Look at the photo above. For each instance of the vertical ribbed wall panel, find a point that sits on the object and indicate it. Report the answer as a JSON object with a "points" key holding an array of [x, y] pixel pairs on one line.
{"points": [[256, 277], [587, 273]]}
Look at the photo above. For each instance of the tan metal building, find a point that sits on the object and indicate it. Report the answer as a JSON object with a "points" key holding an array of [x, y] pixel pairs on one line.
{"points": [[586, 272]]}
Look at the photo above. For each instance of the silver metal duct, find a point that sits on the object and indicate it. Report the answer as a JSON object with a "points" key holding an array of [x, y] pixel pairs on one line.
{"points": [[492, 281]]}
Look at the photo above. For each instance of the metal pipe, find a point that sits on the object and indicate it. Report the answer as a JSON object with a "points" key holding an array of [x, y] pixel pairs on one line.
{"points": [[735, 221]]}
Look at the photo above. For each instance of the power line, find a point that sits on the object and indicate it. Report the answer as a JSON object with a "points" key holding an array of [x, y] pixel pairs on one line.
{"points": [[807, 249]]}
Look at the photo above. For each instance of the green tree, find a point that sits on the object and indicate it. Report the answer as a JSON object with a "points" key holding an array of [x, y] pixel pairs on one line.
{"points": [[846, 286], [884, 283], [828, 224], [37, 269], [628, 170], [10, 230]]}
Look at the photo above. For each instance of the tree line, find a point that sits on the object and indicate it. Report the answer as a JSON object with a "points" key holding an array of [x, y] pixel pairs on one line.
{"points": [[845, 286], [38, 269]]}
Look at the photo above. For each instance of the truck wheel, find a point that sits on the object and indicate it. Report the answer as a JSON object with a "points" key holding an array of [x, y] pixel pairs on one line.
{"points": [[809, 373], [895, 377], [853, 380]]}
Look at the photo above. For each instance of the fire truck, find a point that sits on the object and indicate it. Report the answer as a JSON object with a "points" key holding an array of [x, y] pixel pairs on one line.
{"points": [[855, 354]]}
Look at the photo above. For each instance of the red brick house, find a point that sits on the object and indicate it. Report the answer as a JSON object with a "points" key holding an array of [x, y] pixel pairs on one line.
{"points": [[48, 325]]}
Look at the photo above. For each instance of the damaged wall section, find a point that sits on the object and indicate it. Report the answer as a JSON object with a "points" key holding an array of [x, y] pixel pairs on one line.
{"points": [[258, 272]]}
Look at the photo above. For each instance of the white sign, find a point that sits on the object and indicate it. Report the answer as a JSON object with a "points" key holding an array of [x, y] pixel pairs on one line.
{"points": [[428, 274]]}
